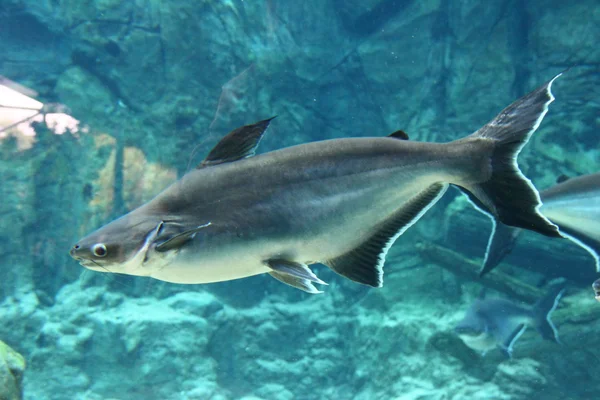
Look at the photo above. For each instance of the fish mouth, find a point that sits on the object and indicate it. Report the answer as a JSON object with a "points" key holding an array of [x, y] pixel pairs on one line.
{"points": [[85, 262], [89, 264], [596, 287]]}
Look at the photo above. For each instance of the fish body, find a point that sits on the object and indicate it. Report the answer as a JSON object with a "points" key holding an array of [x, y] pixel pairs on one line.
{"points": [[328, 198], [498, 323], [339, 202], [573, 205]]}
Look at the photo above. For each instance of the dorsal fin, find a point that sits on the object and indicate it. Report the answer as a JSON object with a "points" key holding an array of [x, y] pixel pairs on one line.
{"points": [[237, 144], [399, 134], [562, 178]]}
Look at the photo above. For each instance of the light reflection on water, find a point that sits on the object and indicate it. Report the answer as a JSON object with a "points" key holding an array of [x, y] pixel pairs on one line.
{"points": [[18, 111]]}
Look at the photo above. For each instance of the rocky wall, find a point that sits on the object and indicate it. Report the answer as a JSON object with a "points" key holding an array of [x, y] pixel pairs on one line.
{"points": [[153, 79]]}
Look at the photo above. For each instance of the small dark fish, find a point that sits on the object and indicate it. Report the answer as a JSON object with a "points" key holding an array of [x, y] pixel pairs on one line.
{"points": [[87, 191], [340, 202], [498, 323], [596, 287], [572, 204]]}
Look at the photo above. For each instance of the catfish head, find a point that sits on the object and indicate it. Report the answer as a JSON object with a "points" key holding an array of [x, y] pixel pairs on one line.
{"points": [[122, 246], [474, 329]]}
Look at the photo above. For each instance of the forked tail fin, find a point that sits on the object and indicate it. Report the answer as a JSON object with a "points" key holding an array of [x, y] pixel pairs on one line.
{"points": [[544, 308], [500, 244], [507, 194]]}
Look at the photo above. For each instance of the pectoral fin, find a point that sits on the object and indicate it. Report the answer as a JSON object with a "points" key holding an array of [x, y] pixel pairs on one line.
{"points": [[180, 239]]}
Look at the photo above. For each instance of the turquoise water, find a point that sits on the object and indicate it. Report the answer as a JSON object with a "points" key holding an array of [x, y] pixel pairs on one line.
{"points": [[103, 104]]}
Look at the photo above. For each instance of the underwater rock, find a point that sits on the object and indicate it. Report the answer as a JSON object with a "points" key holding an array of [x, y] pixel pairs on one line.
{"points": [[194, 344], [12, 366], [85, 94], [33, 51], [367, 17], [142, 180], [272, 391], [578, 32], [155, 79], [16, 209]]}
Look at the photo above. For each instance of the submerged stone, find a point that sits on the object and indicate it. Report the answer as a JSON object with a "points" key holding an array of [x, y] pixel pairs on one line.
{"points": [[12, 365]]}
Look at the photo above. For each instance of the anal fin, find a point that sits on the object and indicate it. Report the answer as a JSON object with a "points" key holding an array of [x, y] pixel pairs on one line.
{"points": [[509, 341], [364, 264]]}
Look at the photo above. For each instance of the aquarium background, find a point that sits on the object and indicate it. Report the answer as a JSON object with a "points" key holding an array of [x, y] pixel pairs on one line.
{"points": [[152, 85]]}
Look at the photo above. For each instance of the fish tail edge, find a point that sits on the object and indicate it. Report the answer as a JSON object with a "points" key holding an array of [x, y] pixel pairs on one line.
{"points": [[507, 194]]}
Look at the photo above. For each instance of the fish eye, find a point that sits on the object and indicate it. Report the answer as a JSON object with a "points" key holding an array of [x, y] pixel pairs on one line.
{"points": [[99, 250]]}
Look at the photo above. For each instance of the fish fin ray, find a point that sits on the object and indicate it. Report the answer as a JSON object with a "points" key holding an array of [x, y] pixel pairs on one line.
{"points": [[237, 144], [508, 194], [294, 281], [364, 264]]}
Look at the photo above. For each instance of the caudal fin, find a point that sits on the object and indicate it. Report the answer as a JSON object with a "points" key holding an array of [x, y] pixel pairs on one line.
{"points": [[501, 243], [544, 308], [507, 194]]}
